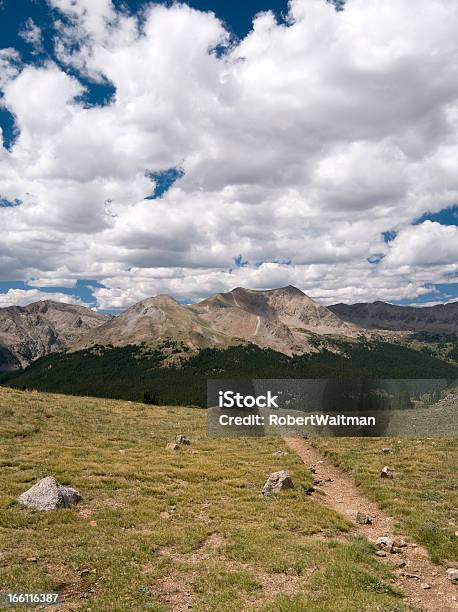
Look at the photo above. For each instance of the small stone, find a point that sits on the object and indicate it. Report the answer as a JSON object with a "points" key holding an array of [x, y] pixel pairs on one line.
{"points": [[93, 523], [452, 574], [395, 550], [309, 490], [399, 543], [399, 562], [278, 481], [425, 585], [387, 472], [380, 553], [32, 559], [409, 575], [387, 449], [47, 494], [384, 542], [363, 519], [84, 572], [173, 446], [279, 453], [180, 439]]}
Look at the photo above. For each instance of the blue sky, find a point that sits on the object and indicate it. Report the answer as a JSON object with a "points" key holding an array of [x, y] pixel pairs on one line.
{"points": [[185, 153], [15, 13]]}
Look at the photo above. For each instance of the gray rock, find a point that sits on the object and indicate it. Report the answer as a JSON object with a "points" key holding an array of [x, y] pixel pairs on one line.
{"points": [[387, 472], [279, 453], [180, 439], [47, 494], [380, 553], [387, 449], [399, 543], [173, 446], [452, 574], [384, 542], [278, 481], [363, 519]]}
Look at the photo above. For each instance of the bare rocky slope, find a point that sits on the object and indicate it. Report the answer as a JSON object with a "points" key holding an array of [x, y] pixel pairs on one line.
{"points": [[154, 321], [29, 332], [380, 315], [283, 319]]}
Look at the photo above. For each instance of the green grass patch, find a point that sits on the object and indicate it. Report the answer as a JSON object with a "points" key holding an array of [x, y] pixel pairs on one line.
{"points": [[423, 497], [159, 529]]}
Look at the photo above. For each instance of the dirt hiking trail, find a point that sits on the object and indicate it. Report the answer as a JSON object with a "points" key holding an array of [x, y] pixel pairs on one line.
{"points": [[425, 585]]}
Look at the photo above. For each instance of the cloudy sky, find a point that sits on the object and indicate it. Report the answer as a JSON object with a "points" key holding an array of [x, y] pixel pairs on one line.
{"points": [[191, 148]]}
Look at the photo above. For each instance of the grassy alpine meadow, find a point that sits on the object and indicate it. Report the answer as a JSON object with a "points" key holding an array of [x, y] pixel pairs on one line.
{"points": [[169, 530], [423, 496]]}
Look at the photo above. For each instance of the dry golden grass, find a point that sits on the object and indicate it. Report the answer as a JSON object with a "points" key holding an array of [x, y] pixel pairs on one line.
{"points": [[423, 497], [163, 530]]}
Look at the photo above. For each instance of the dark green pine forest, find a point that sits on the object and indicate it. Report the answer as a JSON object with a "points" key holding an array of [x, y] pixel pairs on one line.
{"points": [[137, 373]]}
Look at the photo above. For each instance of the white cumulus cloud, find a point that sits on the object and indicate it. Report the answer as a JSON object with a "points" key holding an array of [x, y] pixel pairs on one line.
{"points": [[22, 297], [300, 144]]}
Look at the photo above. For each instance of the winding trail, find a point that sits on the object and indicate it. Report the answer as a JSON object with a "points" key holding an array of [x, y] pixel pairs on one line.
{"points": [[342, 495]]}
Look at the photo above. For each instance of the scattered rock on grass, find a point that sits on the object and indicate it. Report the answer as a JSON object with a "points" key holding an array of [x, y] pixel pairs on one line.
{"points": [[47, 494], [180, 439], [279, 453], [384, 542], [380, 553], [173, 446], [278, 481], [452, 574], [363, 519], [399, 543], [410, 575], [387, 449], [387, 472]]}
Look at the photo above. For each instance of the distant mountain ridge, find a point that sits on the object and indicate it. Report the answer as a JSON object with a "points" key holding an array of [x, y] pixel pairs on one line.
{"points": [[30, 332], [380, 315], [284, 319]]}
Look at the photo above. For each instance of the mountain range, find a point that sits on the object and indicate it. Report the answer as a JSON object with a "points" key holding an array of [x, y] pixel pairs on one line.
{"points": [[29, 332], [379, 315], [285, 320]]}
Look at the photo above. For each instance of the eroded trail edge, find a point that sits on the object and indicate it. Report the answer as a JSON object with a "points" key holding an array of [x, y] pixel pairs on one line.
{"points": [[424, 584]]}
